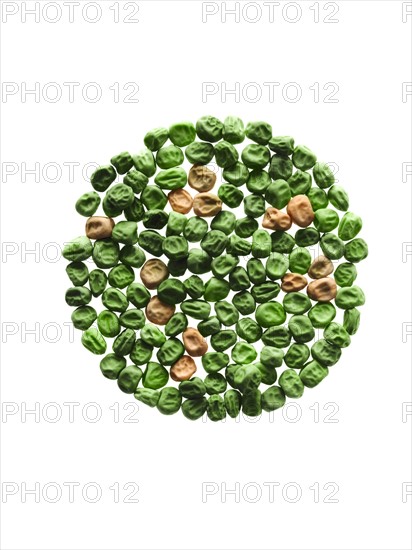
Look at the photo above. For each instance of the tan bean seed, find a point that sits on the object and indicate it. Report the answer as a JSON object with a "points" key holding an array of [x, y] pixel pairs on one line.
{"points": [[321, 267], [153, 272], [206, 205], [180, 201], [292, 282], [183, 369], [99, 227], [322, 290], [201, 178], [276, 219], [157, 312], [300, 210], [194, 343]]}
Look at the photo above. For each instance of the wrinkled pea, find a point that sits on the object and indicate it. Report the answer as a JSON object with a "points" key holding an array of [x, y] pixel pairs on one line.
{"points": [[153, 197], [251, 403], [171, 291], [199, 152], [132, 256], [102, 178], [112, 365], [238, 279], [318, 198], [351, 320], [321, 315], [254, 206], [170, 351], [129, 379], [291, 384], [155, 219], [176, 324], [123, 162], [255, 156], [209, 128], [151, 241], [281, 168], [296, 303], [155, 376], [313, 373], [135, 212], [326, 220], [349, 226], [301, 329], [225, 154], [78, 249], [138, 295], [238, 246], [182, 133], [216, 289], [270, 314], [323, 175], [195, 229], [233, 130], [141, 352], [237, 174], [87, 204], [260, 132], [230, 195], [269, 375], [216, 408], [284, 145], [247, 378], [209, 326], [223, 340], [147, 396], [78, 273], [226, 313], [303, 158], [296, 356], [169, 157], [248, 330], [193, 388], [124, 343], [278, 337], [83, 317], [153, 336], [336, 334], [282, 242], [243, 353], [214, 242], [258, 181], [276, 266], [106, 253], [93, 341], [338, 197], [224, 222], [325, 354], [278, 193], [265, 292], [349, 297], [193, 409], [300, 183], [169, 401], [332, 246], [78, 296], [108, 323], [356, 250], [307, 237], [194, 286], [245, 227], [223, 265], [215, 383], [300, 260], [136, 180], [144, 161], [214, 361], [121, 276], [132, 318], [171, 179], [198, 309], [177, 268], [345, 274], [97, 282], [156, 138], [233, 403], [198, 261], [244, 302], [273, 398], [271, 357], [256, 271]]}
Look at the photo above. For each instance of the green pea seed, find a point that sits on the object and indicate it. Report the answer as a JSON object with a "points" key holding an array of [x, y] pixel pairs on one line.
{"points": [[282, 242], [198, 261], [133, 256], [147, 396], [238, 246], [198, 309], [345, 274], [349, 226], [173, 178], [225, 154], [254, 206], [265, 292], [171, 291], [297, 355], [83, 317], [323, 175], [326, 220], [248, 330], [78, 296], [251, 403], [97, 282], [177, 268], [121, 276], [303, 158], [230, 195], [199, 152], [233, 403], [123, 162], [273, 398], [216, 408], [108, 323], [195, 229], [141, 352], [245, 227], [155, 376], [238, 279], [351, 320], [93, 341], [349, 297], [193, 409], [307, 237], [283, 145], [223, 265], [318, 198], [226, 313], [169, 157], [213, 361], [276, 266], [151, 241], [152, 335], [258, 181], [299, 260], [291, 384], [214, 242], [118, 197], [132, 318], [144, 161], [260, 132], [332, 247], [356, 250], [336, 334], [300, 183], [129, 379], [296, 303], [313, 373], [194, 286], [155, 219], [247, 378], [135, 212], [106, 253], [301, 329], [169, 401], [270, 314], [124, 343], [176, 324], [243, 353], [338, 198], [170, 351], [138, 295], [255, 156], [156, 138], [153, 197], [215, 383], [269, 375], [237, 174], [209, 326], [223, 340], [175, 224], [278, 337], [136, 180], [193, 388], [325, 354], [87, 204], [78, 249], [233, 130], [102, 178], [209, 128], [216, 289], [115, 300], [224, 221], [78, 273], [112, 365], [281, 168], [182, 133], [321, 315], [271, 357]]}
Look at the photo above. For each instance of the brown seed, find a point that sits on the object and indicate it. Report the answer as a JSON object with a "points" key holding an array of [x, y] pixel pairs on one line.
{"points": [[300, 210], [276, 219], [153, 273], [206, 205], [321, 267], [183, 369], [201, 178], [194, 343], [292, 282], [180, 201], [99, 227], [157, 312], [322, 290]]}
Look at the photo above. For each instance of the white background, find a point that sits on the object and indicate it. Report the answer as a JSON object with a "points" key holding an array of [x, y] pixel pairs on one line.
{"points": [[366, 452]]}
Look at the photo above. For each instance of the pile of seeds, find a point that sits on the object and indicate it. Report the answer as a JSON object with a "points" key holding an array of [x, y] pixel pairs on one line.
{"points": [[237, 274]]}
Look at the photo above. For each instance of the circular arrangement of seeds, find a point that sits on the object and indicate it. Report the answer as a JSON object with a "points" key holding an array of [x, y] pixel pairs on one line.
{"points": [[212, 291]]}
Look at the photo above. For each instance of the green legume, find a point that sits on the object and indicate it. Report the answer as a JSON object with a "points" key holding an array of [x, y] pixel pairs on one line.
{"points": [[258, 181], [282, 242], [269, 375], [247, 378], [123, 162], [132, 318], [182, 133], [270, 314], [78, 273], [226, 313], [307, 237], [237, 174], [83, 317], [350, 297], [278, 193], [325, 354], [170, 351], [198, 309], [356, 250], [245, 227], [251, 403], [323, 175], [136, 180], [284, 145], [129, 379], [175, 224], [215, 383], [291, 384], [255, 157], [198, 261], [209, 128], [153, 197], [259, 131], [169, 401], [281, 168], [223, 340], [321, 315], [87, 204], [233, 130], [296, 303], [213, 361], [124, 343], [102, 178], [193, 388], [121, 276], [214, 242], [108, 323], [78, 249], [176, 324], [78, 296], [238, 279], [223, 265], [199, 152], [238, 246], [194, 286], [338, 197], [147, 396], [230, 195], [169, 157], [195, 229], [216, 408], [243, 353], [224, 221], [300, 183], [151, 335], [134, 212], [132, 256], [248, 330], [318, 198], [296, 356], [233, 403], [271, 357], [93, 341], [301, 329], [326, 220], [193, 409], [171, 291], [97, 281], [151, 241], [155, 219], [351, 320], [303, 158], [265, 292], [216, 289], [313, 373], [349, 226], [345, 274], [106, 253], [138, 295], [276, 266], [141, 352], [155, 376], [177, 268], [144, 162], [209, 326], [156, 138], [278, 337], [332, 247], [112, 365], [273, 398], [299, 260], [336, 334], [225, 154]]}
